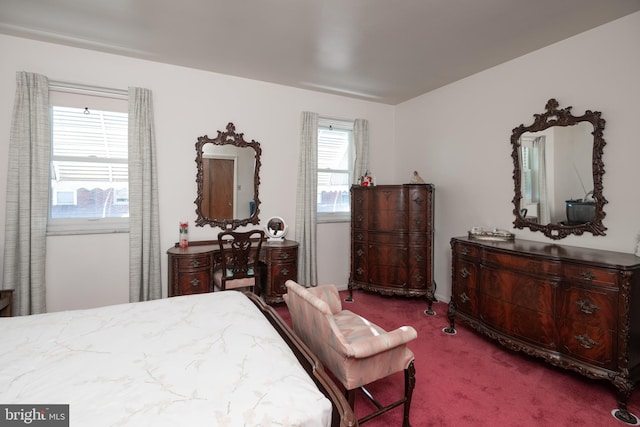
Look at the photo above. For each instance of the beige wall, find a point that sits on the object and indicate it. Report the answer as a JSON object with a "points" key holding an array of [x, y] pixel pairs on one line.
{"points": [[93, 270], [458, 136]]}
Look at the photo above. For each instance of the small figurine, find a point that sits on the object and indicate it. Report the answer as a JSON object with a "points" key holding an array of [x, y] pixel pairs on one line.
{"points": [[416, 178]]}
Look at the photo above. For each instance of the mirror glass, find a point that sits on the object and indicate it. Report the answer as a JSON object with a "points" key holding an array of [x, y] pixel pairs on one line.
{"points": [[558, 173], [228, 178]]}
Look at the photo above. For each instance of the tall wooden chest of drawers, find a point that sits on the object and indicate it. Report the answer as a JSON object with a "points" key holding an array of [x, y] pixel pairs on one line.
{"points": [[576, 308], [392, 240]]}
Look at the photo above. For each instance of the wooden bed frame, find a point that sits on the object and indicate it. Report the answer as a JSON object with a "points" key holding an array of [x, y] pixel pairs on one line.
{"points": [[343, 415]]}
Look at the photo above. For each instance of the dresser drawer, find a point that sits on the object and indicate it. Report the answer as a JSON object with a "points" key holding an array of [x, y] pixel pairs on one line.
{"points": [[193, 262], [283, 255], [592, 275], [465, 250], [525, 264], [196, 282], [592, 344], [527, 291], [593, 307]]}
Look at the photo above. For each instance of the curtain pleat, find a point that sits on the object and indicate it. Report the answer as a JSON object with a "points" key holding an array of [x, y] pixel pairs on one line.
{"points": [[306, 215], [361, 142], [27, 205], [144, 229]]}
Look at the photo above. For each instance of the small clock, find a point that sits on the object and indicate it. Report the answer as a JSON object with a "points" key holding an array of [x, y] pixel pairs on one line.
{"points": [[276, 228]]}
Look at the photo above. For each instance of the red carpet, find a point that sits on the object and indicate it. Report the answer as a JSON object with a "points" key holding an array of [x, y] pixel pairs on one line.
{"points": [[466, 380]]}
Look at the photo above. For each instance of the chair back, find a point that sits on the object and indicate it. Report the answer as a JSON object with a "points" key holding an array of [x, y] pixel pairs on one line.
{"points": [[239, 253]]}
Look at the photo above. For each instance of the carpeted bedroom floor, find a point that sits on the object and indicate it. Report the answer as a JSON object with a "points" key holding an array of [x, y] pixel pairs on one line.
{"points": [[467, 380]]}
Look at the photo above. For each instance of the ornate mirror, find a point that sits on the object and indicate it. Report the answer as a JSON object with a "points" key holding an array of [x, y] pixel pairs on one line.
{"points": [[228, 177], [557, 171]]}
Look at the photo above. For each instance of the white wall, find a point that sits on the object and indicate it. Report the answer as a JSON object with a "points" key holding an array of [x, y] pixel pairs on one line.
{"points": [[458, 137], [188, 103]]}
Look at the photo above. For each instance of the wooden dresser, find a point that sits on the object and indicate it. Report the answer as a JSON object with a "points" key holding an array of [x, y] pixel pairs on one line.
{"points": [[191, 268], [392, 240], [576, 308]]}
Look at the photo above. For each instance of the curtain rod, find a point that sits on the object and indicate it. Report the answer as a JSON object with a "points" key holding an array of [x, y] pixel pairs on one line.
{"points": [[88, 90]]}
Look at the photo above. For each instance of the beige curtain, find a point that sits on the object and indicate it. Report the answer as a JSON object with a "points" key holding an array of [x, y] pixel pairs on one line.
{"points": [[144, 229], [27, 205], [306, 222]]}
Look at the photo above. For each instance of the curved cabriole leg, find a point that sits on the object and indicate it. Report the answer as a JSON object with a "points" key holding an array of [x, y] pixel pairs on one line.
{"points": [[451, 315], [624, 394], [430, 299], [350, 297], [409, 384]]}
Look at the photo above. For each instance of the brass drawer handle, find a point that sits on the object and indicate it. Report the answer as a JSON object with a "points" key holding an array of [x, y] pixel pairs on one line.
{"points": [[464, 298], [585, 341], [359, 271], [194, 282], [195, 263], [464, 273], [586, 306], [359, 252], [587, 275], [464, 251], [285, 255], [284, 272]]}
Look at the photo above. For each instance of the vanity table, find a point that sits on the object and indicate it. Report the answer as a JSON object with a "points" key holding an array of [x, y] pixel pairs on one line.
{"points": [[576, 308], [191, 268]]}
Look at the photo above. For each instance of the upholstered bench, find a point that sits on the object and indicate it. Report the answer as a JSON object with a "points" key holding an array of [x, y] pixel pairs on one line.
{"points": [[354, 349]]}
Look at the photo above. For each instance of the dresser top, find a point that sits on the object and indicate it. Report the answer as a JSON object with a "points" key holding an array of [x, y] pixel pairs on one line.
{"points": [[601, 257]]}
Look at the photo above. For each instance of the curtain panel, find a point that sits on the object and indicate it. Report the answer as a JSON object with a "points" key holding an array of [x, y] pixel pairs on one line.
{"points": [[27, 204]]}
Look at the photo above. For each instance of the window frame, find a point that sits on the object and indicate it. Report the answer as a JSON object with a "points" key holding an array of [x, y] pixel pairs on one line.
{"points": [[344, 125], [103, 100]]}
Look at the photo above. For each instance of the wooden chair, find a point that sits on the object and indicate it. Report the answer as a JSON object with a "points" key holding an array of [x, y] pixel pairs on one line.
{"points": [[6, 303], [355, 350], [239, 266]]}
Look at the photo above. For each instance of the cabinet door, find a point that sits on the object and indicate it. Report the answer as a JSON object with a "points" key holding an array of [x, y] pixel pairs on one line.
{"points": [[518, 304], [194, 281]]}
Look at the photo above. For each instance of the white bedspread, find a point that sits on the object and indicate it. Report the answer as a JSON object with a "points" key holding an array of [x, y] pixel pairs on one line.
{"points": [[208, 359]]}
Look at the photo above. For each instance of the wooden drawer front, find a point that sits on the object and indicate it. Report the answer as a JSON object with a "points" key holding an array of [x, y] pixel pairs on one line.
{"points": [[593, 307], [387, 200], [194, 282], [388, 255], [280, 273], [390, 239], [525, 264], [359, 262], [283, 255], [418, 222], [360, 199], [359, 219], [419, 239], [530, 325], [388, 220], [586, 274], [518, 289], [389, 275], [193, 262], [464, 286], [460, 249], [589, 343]]}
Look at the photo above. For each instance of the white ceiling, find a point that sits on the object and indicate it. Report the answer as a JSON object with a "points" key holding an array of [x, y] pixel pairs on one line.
{"points": [[385, 51]]}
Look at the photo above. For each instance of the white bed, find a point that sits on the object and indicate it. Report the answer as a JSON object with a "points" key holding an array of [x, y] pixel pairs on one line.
{"points": [[207, 359]]}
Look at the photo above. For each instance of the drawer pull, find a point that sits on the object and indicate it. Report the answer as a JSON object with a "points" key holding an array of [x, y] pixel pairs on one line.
{"points": [[284, 272], [417, 222], [285, 255], [585, 341], [418, 257], [194, 282], [195, 263], [419, 278], [464, 273], [464, 251], [587, 307], [359, 252], [418, 200], [464, 298], [359, 271], [359, 236], [587, 275]]}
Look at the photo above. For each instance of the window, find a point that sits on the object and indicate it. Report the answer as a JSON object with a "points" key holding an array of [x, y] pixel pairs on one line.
{"points": [[89, 167], [335, 169]]}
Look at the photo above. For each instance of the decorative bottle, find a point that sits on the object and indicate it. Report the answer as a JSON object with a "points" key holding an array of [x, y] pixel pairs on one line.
{"points": [[184, 234]]}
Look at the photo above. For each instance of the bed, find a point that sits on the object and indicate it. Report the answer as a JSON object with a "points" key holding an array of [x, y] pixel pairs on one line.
{"points": [[215, 359]]}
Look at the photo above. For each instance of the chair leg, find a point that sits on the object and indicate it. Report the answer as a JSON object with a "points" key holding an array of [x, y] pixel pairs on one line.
{"points": [[409, 384]]}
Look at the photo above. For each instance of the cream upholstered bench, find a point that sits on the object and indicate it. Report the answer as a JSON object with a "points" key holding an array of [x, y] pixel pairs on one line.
{"points": [[355, 350]]}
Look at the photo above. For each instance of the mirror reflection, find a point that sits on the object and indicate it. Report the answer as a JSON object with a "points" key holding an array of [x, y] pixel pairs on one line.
{"points": [[228, 179], [558, 173]]}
